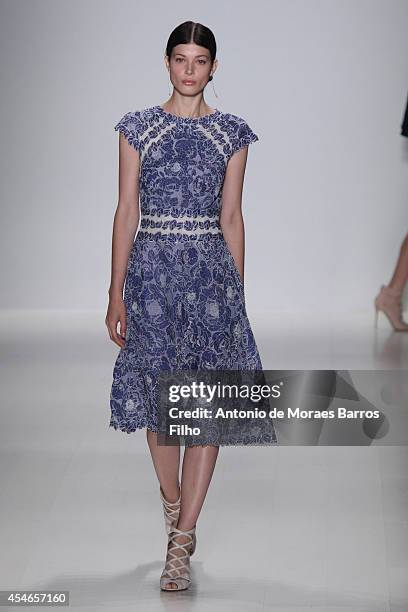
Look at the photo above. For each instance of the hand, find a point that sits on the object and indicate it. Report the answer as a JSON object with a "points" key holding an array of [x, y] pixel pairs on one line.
{"points": [[116, 314]]}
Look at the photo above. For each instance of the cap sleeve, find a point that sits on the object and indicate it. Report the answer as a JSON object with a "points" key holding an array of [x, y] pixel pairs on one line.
{"points": [[242, 135], [129, 125]]}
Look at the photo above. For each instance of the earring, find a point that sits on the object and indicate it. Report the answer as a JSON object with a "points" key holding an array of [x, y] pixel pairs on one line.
{"points": [[211, 79]]}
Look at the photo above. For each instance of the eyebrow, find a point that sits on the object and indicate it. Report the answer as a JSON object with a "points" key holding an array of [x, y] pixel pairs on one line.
{"points": [[202, 55]]}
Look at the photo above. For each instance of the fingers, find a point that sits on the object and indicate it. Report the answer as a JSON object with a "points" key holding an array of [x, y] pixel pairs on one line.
{"points": [[113, 334], [123, 327]]}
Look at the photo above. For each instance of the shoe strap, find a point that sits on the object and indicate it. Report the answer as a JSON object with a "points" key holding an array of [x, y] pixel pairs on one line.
{"points": [[171, 509], [172, 557]]}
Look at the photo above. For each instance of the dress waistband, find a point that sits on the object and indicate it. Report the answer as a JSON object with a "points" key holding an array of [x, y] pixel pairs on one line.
{"points": [[183, 225]]}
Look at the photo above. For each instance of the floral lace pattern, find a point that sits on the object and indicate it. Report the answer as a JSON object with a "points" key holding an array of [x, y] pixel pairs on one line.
{"points": [[184, 297]]}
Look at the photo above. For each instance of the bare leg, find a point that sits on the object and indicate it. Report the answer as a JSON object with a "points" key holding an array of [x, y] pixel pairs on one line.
{"points": [[198, 467], [389, 298], [166, 461], [400, 275]]}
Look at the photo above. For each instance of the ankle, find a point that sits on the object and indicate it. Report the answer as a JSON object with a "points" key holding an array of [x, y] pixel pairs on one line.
{"points": [[171, 494], [393, 290], [185, 526]]}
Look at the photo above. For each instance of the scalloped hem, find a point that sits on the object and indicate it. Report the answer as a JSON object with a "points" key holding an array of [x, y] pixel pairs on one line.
{"points": [[127, 427], [225, 444]]}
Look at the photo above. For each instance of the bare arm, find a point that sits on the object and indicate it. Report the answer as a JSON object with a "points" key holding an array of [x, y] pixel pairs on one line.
{"points": [[126, 221], [232, 223]]}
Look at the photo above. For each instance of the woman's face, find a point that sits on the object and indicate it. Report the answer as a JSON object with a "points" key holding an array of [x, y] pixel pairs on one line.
{"points": [[190, 67]]}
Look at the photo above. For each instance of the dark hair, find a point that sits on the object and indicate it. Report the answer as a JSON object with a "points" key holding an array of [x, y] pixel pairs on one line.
{"points": [[191, 32]]}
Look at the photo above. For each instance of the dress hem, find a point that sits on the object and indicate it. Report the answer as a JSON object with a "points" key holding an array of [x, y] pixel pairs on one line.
{"points": [[133, 428]]}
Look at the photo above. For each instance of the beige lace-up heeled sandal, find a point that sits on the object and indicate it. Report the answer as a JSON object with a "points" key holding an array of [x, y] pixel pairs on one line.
{"points": [[171, 514], [171, 511], [177, 568]]}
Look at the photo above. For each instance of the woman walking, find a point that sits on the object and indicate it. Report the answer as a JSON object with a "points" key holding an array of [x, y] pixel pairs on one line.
{"points": [[184, 304]]}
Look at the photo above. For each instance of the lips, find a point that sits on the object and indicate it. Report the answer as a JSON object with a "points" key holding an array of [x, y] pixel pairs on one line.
{"points": [[188, 82]]}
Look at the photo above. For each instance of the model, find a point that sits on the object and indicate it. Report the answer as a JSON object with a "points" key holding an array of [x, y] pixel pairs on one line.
{"points": [[184, 302]]}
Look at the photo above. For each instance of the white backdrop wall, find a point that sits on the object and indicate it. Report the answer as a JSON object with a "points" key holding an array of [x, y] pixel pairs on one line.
{"points": [[322, 83]]}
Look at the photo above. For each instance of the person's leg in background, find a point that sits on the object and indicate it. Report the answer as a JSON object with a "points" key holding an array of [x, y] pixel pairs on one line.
{"points": [[389, 299]]}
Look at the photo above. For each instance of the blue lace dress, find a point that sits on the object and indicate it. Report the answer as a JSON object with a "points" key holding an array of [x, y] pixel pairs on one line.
{"points": [[183, 293]]}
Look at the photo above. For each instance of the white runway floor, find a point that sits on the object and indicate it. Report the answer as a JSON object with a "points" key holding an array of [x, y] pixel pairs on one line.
{"points": [[288, 529]]}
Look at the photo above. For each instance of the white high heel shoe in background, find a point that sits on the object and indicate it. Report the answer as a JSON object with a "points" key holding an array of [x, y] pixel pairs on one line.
{"points": [[389, 302]]}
